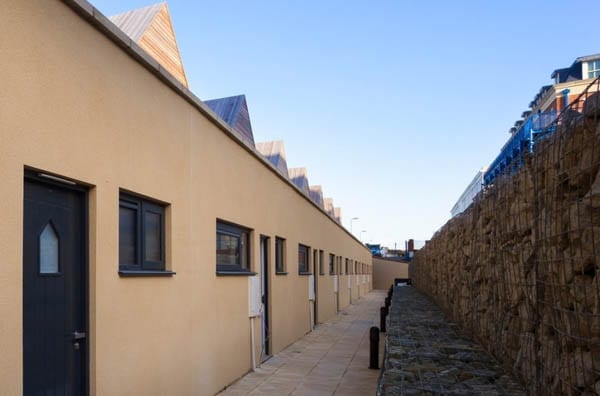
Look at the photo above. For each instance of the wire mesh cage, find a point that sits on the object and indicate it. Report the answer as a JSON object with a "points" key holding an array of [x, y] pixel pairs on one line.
{"points": [[518, 270]]}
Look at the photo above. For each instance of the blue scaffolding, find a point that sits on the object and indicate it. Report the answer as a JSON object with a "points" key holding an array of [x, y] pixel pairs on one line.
{"points": [[521, 142]]}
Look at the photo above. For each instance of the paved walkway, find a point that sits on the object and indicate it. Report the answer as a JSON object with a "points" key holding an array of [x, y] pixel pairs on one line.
{"points": [[429, 355], [331, 360]]}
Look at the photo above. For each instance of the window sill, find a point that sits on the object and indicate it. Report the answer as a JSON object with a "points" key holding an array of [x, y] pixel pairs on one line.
{"points": [[139, 273], [281, 273], [304, 273], [235, 273]]}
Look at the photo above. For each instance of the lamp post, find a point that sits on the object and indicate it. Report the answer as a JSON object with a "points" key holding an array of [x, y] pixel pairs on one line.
{"points": [[351, 220], [360, 237]]}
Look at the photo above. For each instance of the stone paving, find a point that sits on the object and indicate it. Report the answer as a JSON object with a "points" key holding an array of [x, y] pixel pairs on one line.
{"points": [[426, 354], [331, 360]]}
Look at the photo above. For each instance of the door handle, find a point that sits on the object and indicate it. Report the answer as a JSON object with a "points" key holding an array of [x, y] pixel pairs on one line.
{"points": [[77, 335]]}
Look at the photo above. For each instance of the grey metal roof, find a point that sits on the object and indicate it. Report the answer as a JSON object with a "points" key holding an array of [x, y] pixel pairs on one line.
{"points": [[337, 214], [298, 176], [328, 203], [135, 22], [316, 194], [587, 58], [234, 111], [274, 151]]}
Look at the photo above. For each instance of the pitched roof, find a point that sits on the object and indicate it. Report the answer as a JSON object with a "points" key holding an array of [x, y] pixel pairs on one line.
{"points": [[234, 111], [316, 194], [337, 214], [298, 176], [152, 29], [136, 22], [328, 203], [274, 151]]}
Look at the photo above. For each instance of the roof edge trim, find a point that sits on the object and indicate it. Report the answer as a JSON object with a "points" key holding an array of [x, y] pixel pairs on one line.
{"points": [[99, 21]]}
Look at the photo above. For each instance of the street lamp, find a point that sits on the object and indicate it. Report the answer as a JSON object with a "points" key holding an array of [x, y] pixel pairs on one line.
{"points": [[351, 220], [360, 237]]}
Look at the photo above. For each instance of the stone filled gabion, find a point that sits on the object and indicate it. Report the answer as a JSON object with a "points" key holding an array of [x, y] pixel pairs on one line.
{"points": [[518, 270]]}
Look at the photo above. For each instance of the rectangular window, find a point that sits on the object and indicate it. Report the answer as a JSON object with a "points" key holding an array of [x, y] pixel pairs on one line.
{"points": [[594, 69], [303, 253], [141, 234], [233, 248], [331, 264], [279, 255], [321, 263], [346, 267]]}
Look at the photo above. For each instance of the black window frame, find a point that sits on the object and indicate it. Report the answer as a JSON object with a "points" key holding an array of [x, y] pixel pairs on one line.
{"points": [[237, 231], [306, 270], [141, 206], [280, 256]]}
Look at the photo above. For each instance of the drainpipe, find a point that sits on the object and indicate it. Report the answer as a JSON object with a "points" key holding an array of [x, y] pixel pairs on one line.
{"points": [[252, 343], [565, 93]]}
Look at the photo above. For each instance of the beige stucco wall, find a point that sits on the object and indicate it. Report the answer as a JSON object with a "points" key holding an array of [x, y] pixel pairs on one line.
{"points": [[74, 104], [385, 271]]}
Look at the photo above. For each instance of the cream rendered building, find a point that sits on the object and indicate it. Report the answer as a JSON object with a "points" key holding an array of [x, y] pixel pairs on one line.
{"points": [[118, 184]]}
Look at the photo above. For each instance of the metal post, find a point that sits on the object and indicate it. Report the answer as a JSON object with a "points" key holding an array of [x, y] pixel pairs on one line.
{"points": [[374, 348], [382, 315]]}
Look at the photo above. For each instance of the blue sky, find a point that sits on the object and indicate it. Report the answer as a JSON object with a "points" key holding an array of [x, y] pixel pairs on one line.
{"points": [[392, 106]]}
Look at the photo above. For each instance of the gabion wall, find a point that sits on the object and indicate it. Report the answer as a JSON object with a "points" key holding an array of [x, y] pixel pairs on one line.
{"points": [[518, 270]]}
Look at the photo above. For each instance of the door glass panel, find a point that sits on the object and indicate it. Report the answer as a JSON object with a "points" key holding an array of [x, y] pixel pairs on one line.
{"points": [[152, 236], [48, 250]]}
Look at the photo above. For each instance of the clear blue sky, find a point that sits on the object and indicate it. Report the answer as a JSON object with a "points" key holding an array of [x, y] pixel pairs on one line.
{"points": [[392, 106]]}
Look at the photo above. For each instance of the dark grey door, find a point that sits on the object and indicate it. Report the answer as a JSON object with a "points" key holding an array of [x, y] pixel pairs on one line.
{"points": [[54, 289], [264, 271]]}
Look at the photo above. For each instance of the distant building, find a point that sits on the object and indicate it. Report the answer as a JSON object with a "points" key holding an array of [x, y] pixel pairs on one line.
{"points": [[469, 194], [538, 121]]}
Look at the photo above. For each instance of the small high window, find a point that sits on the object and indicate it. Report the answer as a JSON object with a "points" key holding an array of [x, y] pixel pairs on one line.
{"points": [[331, 264], [303, 254], [346, 267], [233, 248], [279, 255], [594, 69], [141, 234]]}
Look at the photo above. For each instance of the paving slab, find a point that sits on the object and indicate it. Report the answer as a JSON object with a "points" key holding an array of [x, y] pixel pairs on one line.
{"points": [[331, 360]]}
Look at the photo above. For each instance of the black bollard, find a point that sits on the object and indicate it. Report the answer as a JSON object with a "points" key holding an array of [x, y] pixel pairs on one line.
{"points": [[382, 315], [374, 348]]}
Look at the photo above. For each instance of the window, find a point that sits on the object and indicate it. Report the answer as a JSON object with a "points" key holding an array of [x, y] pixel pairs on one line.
{"points": [[594, 69], [233, 248], [321, 263], [303, 252], [346, 267], [280, 256], [141, 234], [331, 264]]}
